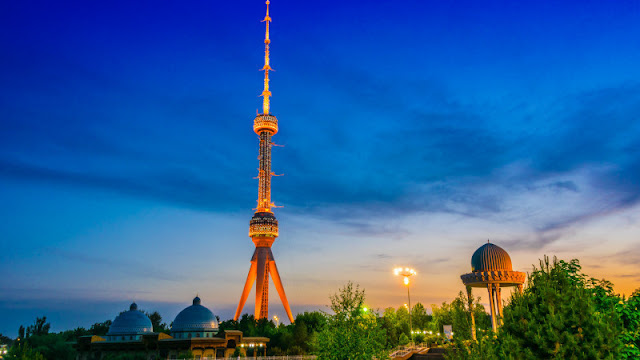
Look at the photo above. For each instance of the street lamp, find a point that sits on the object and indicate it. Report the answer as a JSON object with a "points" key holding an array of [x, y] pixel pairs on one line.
{"points": [[406, 273], [277, 320]]}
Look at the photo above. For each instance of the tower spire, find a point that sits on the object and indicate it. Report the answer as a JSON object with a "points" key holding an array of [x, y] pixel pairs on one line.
{"points": [[266, 94], [263, 227]]}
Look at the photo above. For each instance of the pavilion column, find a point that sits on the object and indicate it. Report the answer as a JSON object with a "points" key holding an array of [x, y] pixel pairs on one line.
{"points": [[520, 287], [473, 318], [494, 325], [499, 299]]}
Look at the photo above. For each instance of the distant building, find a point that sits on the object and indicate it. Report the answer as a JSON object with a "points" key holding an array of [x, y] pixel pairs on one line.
{"points": [[194, 329]]}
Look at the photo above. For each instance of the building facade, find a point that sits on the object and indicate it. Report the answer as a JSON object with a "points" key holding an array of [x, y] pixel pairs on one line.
{"points": [[194, 330]]}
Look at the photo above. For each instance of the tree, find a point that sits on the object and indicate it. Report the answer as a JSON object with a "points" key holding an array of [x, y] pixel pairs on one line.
{"points": [[390, 325], [629, 313], [127, 356], [351, 333], [23, 352], [6, 340], [73, 335], [419, 317], [156, 321], [559, 316], [100, 329], [52, 346], [314, 320], [39, 327]]}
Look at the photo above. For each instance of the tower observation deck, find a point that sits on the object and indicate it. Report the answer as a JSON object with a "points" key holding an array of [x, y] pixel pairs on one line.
{"points": [[263, 227]]}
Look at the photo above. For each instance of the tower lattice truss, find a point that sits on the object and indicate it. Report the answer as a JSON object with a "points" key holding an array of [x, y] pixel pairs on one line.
{"points": [[263, 227]]}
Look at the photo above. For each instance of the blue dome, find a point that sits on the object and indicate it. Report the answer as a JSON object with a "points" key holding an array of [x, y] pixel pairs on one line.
{"points": [[195, 318], [131, 322]]}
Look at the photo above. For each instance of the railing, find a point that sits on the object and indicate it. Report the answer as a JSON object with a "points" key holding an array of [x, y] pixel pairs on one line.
{"points": [[402, 351], [286, 357]]}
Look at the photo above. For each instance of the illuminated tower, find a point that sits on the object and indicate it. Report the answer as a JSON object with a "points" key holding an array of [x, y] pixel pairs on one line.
{"points": [[263, 227]]}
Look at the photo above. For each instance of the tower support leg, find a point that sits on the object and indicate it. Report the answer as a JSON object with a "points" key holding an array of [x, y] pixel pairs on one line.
{"points": [[273, 269], [251, 278], [262, 284]]}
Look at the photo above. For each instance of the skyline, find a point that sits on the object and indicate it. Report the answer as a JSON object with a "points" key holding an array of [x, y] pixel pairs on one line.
{"points": [[127, 156]]}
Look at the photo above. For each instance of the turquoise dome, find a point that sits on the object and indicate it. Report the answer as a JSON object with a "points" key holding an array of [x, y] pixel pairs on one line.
{"points": [[195, 318], [132, 322], [490, 257]]}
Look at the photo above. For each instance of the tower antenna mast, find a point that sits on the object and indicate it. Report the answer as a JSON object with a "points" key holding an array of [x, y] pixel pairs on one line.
{"points": [[263, 227]]}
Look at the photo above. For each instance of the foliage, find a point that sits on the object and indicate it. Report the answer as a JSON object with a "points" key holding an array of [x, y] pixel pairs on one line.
{"points": [[298, 338], [6, 340], [39, 327], [419, 317], [22, 351], [351, 333], [404, 340], [561, 315], [52, 346], [100, 329], [185, 355], [156, 321], [128, 356], [629, 313], [457, 315]]}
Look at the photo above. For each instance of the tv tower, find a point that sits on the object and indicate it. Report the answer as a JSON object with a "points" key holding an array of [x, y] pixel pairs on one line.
{"points": [[263, 227]]}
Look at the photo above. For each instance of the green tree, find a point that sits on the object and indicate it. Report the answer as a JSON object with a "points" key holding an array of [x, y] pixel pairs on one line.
{"points": [[6, 340], [185, 355], [100, 329], [23, 352], [156, 321], [629, 313], [127, 356], [314, 320], [73, 335], [39, 327], [351, 333], [559, 316], [402, 321], [419, 317], [404, 340], [442, 315], [390, 326], [52, 346]]}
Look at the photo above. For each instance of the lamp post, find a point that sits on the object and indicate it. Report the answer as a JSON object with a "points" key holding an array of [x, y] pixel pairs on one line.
{"points": [[406, 273]]}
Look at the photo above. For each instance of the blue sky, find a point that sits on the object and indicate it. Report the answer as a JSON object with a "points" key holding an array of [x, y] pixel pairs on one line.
{"points": [[413, 131]]}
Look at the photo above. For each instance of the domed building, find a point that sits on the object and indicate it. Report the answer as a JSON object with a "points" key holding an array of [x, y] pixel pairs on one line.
{"points": [[129, 325], [194, 329], [194, 321], [491, 269]]}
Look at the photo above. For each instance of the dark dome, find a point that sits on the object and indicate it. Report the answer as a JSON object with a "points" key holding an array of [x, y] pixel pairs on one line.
{"points": [[490, 257], [195, 318], [131, 322]]}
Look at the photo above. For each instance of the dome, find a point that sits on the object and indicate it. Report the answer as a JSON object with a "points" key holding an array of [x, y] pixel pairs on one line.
{"points": [[490, 257], [131, 322], [195, 318]]}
